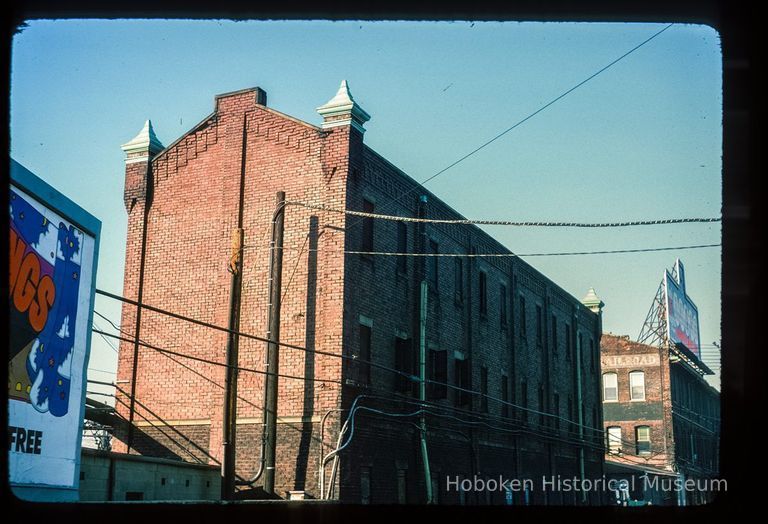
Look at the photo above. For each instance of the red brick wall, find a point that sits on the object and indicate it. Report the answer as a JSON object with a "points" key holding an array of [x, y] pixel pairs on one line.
{"points": [[194, 210], [196, 191]]}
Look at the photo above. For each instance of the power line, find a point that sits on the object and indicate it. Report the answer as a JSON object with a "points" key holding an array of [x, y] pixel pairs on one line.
{"points": [[504, 255], [359, 361], [190, 357], [465, 221], [520, 122]]}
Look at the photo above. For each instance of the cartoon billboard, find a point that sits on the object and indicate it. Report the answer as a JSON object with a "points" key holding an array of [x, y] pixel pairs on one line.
{"points": [[52, 276]]}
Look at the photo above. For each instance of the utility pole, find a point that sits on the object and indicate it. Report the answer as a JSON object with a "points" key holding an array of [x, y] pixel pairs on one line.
{"points": [[230, 381], [273, 335]]}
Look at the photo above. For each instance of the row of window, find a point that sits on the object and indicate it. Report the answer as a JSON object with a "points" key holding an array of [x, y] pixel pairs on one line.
{"points": [[432, 278], [615, 442], [611, 386], [359, 373]]}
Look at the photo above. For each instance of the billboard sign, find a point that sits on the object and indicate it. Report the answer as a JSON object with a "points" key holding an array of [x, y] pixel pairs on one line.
{"points": [[53, 253], [682, 314]]}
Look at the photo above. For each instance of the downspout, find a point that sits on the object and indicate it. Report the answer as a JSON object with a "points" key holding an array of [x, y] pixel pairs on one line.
{"points": [[580, 414], [423, 388]]}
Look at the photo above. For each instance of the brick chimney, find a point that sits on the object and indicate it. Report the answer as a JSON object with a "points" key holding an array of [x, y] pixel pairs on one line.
{"points": [[138, 154]]}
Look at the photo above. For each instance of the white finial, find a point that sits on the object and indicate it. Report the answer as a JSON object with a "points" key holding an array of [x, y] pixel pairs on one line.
{"points": [[343, 110], [592, 301], [142, 145]]}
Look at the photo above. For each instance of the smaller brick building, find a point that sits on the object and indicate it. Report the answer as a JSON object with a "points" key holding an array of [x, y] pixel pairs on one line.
{"points": [[659, 415]]}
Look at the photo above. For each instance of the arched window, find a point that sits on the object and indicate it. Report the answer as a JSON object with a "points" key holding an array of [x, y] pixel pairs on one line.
{"points": [[610, 387], [637, 385]]}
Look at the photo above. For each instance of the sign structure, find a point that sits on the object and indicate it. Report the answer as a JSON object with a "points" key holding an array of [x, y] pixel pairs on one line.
{"points": [[53, 254], [682, 314]]}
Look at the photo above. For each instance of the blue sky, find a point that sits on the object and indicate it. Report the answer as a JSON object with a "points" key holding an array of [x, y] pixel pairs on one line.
{"points": [[642, 140]]}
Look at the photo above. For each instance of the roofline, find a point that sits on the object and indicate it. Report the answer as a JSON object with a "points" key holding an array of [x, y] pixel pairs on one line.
{"points": [[551, 282]]}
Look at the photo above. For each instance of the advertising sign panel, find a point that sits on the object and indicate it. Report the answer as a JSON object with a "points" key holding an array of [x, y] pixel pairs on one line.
{"points": [[682, 314], [53, 253]]}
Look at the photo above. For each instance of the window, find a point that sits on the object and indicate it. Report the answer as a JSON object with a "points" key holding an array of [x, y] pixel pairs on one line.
{"points": [[461, 374], [438, 373], [360, 369], [403, 363], [568, 342], [367, 239], [613, 437], [570, 413], [458, 280], [592, 356], [539, 326], [432, 265], [542, 418], [484, 389], [483, 293], [503, 305], [365, 485], [523, 326], [504, 396], [402, 486], [637, 385], [524, 399], [402, 247], [643, 440], [556, 409], [610, 387], [554, 334]]}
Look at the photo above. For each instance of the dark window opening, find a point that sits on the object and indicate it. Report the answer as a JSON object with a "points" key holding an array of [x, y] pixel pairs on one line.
{"points": [[432, 265], [483, 294], [359, 366], [461, 371], [484, 389], [503, 305], [367, 238], [438, 374], [539, 326], [402, 247], [403, 364], [504, 396], [458, 280]]}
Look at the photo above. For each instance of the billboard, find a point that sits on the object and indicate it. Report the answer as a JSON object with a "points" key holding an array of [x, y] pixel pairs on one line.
{"points": [[53, 253], [682, 314]]}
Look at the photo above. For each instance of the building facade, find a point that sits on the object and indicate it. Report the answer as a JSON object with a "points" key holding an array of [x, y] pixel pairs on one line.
{"points": [[512, 361], [661, 418]]}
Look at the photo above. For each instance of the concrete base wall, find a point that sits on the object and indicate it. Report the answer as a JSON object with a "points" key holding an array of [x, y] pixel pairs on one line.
{"points": [[108, 476]]}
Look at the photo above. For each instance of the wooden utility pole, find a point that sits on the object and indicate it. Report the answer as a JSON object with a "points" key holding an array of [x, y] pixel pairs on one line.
{"points": [[273, 335]]}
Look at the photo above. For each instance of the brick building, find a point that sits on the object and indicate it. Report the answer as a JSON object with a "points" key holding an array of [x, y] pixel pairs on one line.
{"points": [[661, 417], [513, 359]]}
